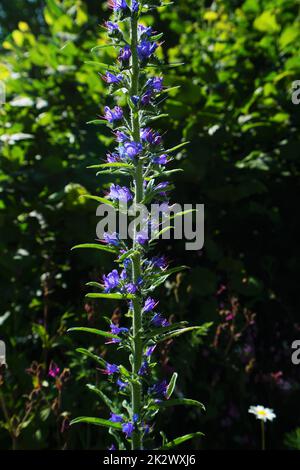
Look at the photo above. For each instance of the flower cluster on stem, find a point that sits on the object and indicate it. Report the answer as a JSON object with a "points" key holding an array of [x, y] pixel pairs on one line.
{"points": [[139, 156]]}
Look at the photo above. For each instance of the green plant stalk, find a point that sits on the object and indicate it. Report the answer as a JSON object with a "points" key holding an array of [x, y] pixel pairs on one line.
{"points": [[136, 388], [263, 436]]}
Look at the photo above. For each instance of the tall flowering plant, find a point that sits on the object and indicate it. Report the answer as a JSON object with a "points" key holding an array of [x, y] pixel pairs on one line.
{"points": [[139, 155]]}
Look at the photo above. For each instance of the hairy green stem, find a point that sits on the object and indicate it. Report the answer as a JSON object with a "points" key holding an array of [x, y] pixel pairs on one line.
{"points": [[136, 395]]}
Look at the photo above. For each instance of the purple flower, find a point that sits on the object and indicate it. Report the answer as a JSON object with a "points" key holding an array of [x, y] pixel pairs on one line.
{"points": [[144, 30], [114, 114], [111, 238], [131, 288], [146, 98], [111, 78], [155, 83], [115, 329], [112, 447], [125, 54], [112, 27], [135, 5], [123, 275], [131, 149], [150, 136], [159, 389], [141, 238], [149, 304], [145, 49], [111, 281], [111, 369], [128, 429], [144, 369], [53, 370], [122, 385], [135, 99], [149, 350], [161, 160], [112, 157], [162, 185], [121, 136], [115, 418], [117, 4], [159, 262], [118, 193], [159, 320]]}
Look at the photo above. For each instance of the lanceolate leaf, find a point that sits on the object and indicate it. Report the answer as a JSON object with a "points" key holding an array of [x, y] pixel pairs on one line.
{"points": [[94, 246], [100, 394], [97, 422], [112, 165], [176, 402], [171, 385], [177, 147], [165, 329], [98, 121], [180, 440], [95, 295], [102, 200], [159, 279], [91, 355], [93, 331], [179, 332]]}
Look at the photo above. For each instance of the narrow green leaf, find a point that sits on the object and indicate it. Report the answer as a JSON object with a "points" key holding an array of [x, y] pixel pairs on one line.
{"points": [[94, 284], [98, 199], [101, 65], [94, 246], [93, 331], [179, 146], [165, 329], [112, 165], [180, 440], [154, 118], [129, 254], [97, 422], [102, 46], [171, 385], [110, 296], [177, 401], [91, 355], [100, 394], [179, 332], [97, 121]]}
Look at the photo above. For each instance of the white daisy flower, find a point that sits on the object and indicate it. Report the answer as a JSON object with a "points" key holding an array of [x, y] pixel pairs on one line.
{"points": [[262, 413]]}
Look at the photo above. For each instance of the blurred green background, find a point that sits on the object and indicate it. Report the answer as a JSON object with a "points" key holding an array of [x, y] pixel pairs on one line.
{"points": [[234, 106]]}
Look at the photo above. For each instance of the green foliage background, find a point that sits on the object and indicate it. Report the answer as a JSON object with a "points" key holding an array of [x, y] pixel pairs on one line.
{"points": [[234, 106]]}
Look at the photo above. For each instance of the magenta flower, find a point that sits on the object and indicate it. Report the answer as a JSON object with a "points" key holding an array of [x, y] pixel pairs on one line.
{"points": [[53, 370]]}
